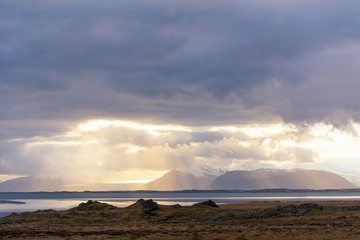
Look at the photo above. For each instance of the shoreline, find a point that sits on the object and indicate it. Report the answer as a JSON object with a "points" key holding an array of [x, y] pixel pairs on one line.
{"points": [[11, 202], [146, 219], [4, 214], [231, 205], [270, 190]]}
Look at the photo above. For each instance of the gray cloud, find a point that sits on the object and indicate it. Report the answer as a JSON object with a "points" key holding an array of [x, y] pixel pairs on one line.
{"points": [[55, 54], [199, 64]]}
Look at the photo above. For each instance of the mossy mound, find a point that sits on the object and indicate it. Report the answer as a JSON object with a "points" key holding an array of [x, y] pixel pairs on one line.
{"points": [[286, 211], [93, 206]]}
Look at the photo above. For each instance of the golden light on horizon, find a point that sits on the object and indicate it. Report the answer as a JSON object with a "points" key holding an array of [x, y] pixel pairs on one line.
{"points": [[133, 181], [137, 176], [131, 152]]}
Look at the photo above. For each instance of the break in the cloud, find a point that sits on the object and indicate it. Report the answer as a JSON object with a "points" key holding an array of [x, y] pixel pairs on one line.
{"points": [[200, 66], [113, 149]]}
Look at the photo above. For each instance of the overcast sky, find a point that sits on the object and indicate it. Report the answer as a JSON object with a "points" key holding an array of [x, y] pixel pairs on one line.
{"points": [[127, 90]]}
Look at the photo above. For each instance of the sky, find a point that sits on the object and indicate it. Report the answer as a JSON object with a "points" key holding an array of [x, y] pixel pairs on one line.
{"points": [[124, 91]]}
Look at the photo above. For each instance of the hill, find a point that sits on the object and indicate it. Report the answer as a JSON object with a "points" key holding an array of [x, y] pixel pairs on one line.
{"points": [[177, 180], [295, 179], [32, 184]]}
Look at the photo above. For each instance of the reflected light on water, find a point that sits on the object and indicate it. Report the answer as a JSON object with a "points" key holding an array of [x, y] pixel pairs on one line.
{"points": [[64, 204]]}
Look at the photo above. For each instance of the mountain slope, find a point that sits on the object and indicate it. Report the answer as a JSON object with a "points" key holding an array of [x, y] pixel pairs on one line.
{"points": [[31, 184], [177, 180], [296, 179]]}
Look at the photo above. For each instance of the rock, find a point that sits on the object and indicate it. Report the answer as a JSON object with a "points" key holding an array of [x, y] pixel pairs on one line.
{"points": [[7, 221], [301, 211], [210, 203], [349, 208], [179, 214], [176, 206], [310, 206], [285, 211], [147, 205], [307, 208], [93, 206]]}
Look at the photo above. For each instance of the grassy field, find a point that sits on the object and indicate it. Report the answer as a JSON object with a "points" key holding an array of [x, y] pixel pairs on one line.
{"points": [[147, 220]]}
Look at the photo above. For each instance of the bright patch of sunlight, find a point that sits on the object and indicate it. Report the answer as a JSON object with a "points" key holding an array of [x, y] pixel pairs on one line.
{"points": [[137, 176], [334, 143], [254, 130], [94, 125], [134, 149], [320, 130]]}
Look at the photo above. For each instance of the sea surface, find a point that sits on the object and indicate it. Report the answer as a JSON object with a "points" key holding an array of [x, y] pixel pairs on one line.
{"points": [[27, 202]]}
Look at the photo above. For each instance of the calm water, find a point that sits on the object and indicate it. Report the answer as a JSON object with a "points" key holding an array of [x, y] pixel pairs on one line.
{"points": [[62, 201]]}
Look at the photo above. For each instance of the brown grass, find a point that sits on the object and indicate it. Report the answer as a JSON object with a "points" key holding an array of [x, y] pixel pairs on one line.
{"points": [[337, 220]]}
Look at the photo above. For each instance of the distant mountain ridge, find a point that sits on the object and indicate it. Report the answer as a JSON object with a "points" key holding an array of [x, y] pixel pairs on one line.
{"points": [[179, 180], [252, 180], [32, 184], [296, 179]]}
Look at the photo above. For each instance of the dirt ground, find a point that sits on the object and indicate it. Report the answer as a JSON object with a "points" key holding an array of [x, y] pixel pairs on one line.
{"points": [[255, 220]]}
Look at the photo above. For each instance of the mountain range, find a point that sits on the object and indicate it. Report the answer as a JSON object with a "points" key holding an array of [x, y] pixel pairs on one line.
{"points": [[296, 179], [31, 184], [254, 180], [178, 180]]}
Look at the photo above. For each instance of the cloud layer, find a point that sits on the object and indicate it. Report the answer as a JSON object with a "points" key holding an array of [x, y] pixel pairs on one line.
{"points": [[112, 149], [229, 61], [199, 65]]}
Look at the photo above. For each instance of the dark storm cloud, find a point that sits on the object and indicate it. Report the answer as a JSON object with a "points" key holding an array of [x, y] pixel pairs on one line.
{"points": [[190, 63]]}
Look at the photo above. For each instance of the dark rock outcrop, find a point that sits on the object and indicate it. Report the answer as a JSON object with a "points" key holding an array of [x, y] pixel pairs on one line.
{"points": [[147, 205], [285, 211], [93, 206], [210, 203], [349, 208]]}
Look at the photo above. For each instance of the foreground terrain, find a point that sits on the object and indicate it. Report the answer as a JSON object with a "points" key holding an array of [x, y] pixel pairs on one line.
{"points": [[147, 220]]}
